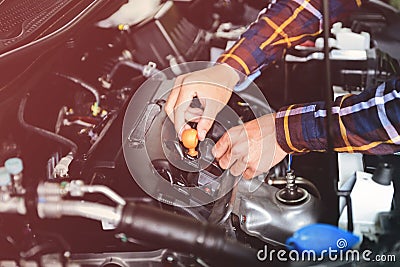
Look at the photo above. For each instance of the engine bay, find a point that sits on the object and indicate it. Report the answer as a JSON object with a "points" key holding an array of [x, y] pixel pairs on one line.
{"points": [[92, 172]]}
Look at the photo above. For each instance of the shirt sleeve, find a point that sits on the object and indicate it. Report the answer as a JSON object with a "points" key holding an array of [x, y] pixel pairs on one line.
{"points": [[368, 123], [285, 24]]}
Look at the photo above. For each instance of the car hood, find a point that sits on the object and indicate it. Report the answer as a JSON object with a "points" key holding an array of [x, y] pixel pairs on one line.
{"points": [[23, 21], [29, 32]]}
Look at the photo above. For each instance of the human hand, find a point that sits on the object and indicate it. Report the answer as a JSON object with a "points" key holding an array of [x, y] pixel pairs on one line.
{"points": [[250, 149], [213, 87]]}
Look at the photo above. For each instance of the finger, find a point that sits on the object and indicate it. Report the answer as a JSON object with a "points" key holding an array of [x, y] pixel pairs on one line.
{"points": [[173, 96], [230, 157], [241, 148], [226, 161], [249, 173], [239, 167], [203, 126], [221, 147]]}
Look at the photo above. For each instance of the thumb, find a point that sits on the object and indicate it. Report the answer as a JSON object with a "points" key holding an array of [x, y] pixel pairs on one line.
{"points": [[203, 126]]}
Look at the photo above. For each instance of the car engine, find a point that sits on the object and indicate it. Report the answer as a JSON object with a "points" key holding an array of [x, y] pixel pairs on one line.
{"points": [[92, 172]]}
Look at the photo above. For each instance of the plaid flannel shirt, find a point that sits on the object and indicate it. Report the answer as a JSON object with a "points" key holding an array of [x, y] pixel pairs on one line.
{"points": [[367, 123], [286, 24]]}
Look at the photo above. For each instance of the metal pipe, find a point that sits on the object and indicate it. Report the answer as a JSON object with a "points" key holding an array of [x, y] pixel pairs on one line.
{"points": [[105, 191], [13, 205], [133, 65], [94, 211], [127, 63]]}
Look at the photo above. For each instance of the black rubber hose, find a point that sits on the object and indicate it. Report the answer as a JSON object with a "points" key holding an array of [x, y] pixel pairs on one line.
{"points": [[184, 234], [194, 214], [44, 133]]}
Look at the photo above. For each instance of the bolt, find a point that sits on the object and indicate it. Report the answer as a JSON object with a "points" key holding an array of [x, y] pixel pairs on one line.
{"points": [[290, 180]]}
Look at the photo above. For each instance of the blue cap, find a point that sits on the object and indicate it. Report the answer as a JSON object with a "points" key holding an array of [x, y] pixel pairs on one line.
{"points": [[14, 165], [5, 178], [321, 237]]}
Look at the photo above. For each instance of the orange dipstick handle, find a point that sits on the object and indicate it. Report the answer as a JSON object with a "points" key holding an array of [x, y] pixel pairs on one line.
{"points": [[190, 141]]}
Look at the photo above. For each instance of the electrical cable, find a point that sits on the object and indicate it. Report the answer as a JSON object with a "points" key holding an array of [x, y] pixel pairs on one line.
{"points": [[290, 160], [84, 85], [332, 172]]}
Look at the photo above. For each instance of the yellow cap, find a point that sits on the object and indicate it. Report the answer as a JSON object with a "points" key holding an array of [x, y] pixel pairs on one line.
{"points": [[123, 27], [95, 109]]}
